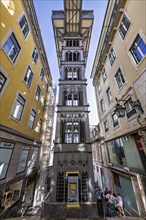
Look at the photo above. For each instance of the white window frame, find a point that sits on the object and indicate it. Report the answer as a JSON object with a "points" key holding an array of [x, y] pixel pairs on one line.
{"points": [[6, 158], [99, 88], [30, 76], [43, 103], [6, 82], [106, 128], [115, 120], [23, 159], [102, 105], [31, 114], [124, 27], [37, 99], [109, 94], [42, 74], [136, 62], [26, 23], [117, 73], [104, 74], [15, 59], [14, 107], [35, 55], [112, 56], [39, 126]]}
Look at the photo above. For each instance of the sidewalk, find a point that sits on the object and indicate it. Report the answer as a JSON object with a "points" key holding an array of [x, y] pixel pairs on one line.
{"points": [[125, 218]]}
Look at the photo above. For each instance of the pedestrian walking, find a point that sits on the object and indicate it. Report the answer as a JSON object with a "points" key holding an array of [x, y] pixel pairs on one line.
{"points": [[119, 205]]}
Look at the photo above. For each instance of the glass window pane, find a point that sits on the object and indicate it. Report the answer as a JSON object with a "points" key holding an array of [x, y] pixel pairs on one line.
{"points": [[12, 47], [23, 159], [6, 150], [3, 80]]}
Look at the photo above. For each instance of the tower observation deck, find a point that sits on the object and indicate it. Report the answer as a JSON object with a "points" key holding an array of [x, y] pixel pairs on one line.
{"points": [[72, 173]]}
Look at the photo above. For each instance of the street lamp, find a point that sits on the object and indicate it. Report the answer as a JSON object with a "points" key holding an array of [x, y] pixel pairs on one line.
{"points": [[120, 109]]}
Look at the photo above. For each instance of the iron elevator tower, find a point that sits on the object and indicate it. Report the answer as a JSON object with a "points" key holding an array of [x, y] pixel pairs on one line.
{"points": [[72, 172]]}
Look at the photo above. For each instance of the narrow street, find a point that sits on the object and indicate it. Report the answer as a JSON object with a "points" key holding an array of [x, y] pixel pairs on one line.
{"points": [[73, 110]]}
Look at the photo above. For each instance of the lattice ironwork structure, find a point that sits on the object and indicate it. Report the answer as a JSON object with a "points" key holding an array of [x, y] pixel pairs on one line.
{"points": [[72, 182]]}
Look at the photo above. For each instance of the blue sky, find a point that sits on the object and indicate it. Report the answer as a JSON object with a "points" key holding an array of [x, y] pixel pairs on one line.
{"points": [[44, 11]]}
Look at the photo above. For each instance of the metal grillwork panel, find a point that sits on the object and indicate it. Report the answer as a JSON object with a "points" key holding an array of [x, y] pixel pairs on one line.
{"points": [[85, 187], [72, 16], [60, 188]]}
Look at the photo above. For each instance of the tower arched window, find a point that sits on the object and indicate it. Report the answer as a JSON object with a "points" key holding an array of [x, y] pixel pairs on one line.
{"points": [[71, 98], [74, 56], [70, 56], [75, 74], [72, 132], [70, 43], [72, 74], [66, 56], [78, 56], [69, 74]]}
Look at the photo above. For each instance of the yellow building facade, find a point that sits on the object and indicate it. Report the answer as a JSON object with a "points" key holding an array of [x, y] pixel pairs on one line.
{"points": [[25, 82], [119, 79]]}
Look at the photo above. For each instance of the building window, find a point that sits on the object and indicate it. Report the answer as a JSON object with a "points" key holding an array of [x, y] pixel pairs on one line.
{"points": [[120, 78], [72, 43], [42, 74], [23, 159], [72, 73], [28, 76], [102, 105], [43, 103], [124, 26], [33, 161], [24, 26], [116, 151], [47, 87], [115, 120], [129, 109], [138, 49], [6, 150], [112, 56], [109, 95], [71, 99], [35, 55], [39, 126], [71, 130], [18, 108], [99, 88], [31, 119], [3, 80], [104, 76], [106, 126], [12, 47], [38, 93]]}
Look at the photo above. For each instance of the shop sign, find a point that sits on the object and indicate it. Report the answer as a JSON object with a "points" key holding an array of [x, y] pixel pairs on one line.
{"points": [[6, 144]]}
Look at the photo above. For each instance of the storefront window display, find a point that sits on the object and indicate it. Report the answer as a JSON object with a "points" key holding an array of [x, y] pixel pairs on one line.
{"points": [[123, 151], [6, 150], [23, 159], [116, 152], [124, 186], [10, 195]]}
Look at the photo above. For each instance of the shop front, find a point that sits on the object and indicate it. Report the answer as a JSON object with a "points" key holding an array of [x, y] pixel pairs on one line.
{"points": [[10, 195], [123, 185], [29, 189]]}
